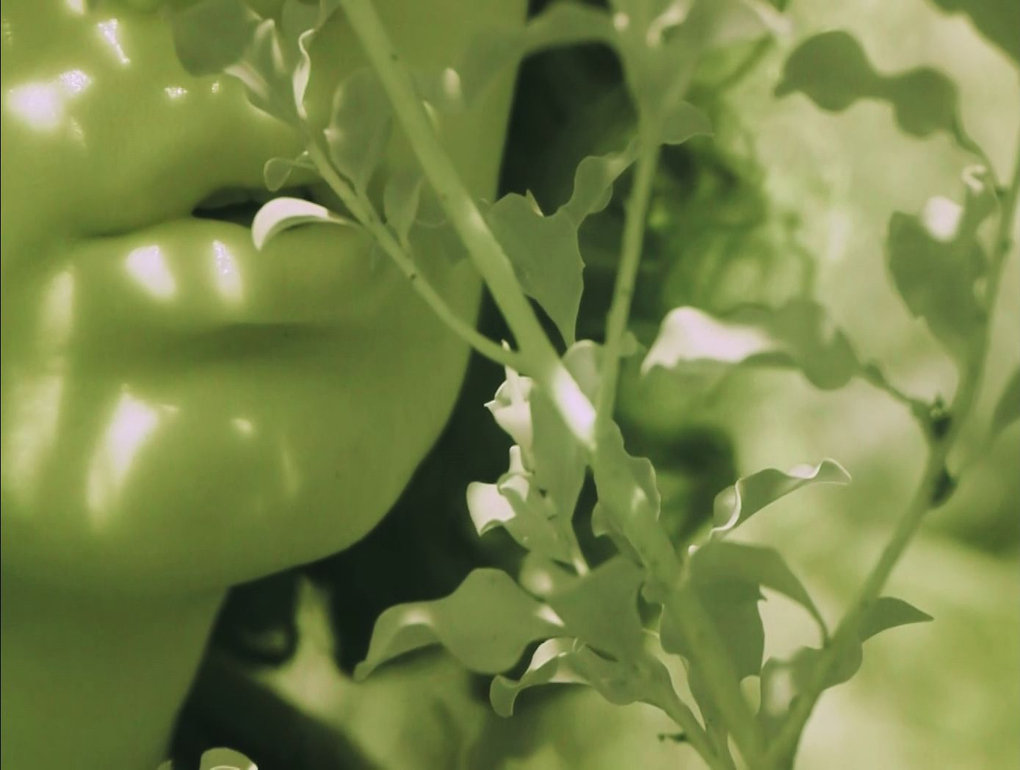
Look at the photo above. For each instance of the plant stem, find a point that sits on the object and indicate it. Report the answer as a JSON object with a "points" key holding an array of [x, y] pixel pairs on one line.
{"points": [[405, 263], [872, 374], [694, 733], [623, 293], [707, 653], [538, 355], [924, 499]]}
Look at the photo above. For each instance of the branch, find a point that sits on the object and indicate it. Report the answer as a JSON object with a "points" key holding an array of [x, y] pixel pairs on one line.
{"points": [[538, 355]]}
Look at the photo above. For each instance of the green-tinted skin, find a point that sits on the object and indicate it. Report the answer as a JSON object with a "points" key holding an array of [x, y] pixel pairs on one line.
{"points": [[179, 411]]}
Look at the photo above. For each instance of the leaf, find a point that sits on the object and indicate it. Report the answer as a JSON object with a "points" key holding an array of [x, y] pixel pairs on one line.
{"points": [[593, 183], [1007, 411], [684, 122], [225, 759], [359, 128], [545, 256], [725, 580], [550, 664], [277, 171], [560, 461], [630, 501], [737, 503], [889, 612], [601, 526], [719, 23], [211, 35], [282, 214], [568, 661], [511, 408], [561, 24], [401, 197], [731, 606], [600, 608], [996, 20], [543, 577], [833, 71], [783, 680], [937, 262], [722, 561], [548, 449], [303, 72], [518, 506], [583, 360], [486, 624], [537, 525], [487, 507], [266, 76], [797, 335], [622, 683]]}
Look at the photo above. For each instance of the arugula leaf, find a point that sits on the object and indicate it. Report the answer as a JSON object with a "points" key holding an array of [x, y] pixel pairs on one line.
{"points": [[360, 126], [517, 505], [783, 680], [211, 35], [486, 624], [277, 171], [834, 72], [739, 502], [601, 609], [560, 461], [683, 122], [220, 758], [551, 663], [511, 408], [996, 20], [797, 335], [545, 256], [401, 198], [543, 577], [593, 183], [282, 214], [937, 262], [889, 612], [722, 561], [561, 24], [732, 607], [568, 661], [726, 579], [1007, 410], [630, 500], [266, 76]]}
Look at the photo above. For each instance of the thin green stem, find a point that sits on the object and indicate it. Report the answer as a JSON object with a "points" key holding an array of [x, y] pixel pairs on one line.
{"points": [[363, 212], [539, 357], [707, 653], [927, 495], [623, 293], [872, 374], [695, 734]]}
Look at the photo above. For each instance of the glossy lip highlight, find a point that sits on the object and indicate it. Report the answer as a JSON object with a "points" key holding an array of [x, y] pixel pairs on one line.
{"points": [[197, 274]]}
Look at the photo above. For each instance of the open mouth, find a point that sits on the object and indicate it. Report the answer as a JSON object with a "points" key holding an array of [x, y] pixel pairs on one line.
{"points": [[239, 205]]}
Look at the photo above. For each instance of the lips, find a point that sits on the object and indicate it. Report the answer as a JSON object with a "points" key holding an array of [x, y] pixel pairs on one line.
{"points": [[195, 275]]}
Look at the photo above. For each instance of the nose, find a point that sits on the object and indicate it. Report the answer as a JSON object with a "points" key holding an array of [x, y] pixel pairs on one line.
{"points": [[104, 131]]}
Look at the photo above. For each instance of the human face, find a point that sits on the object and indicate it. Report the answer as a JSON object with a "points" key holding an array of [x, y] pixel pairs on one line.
{"points": [[180, 411]]}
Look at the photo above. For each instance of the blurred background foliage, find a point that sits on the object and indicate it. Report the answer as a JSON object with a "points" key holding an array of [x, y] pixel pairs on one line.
{"points": [[785, 200]]}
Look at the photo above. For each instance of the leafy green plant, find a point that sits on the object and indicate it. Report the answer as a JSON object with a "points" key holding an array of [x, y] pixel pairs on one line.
{"points": [[633, 625]]}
